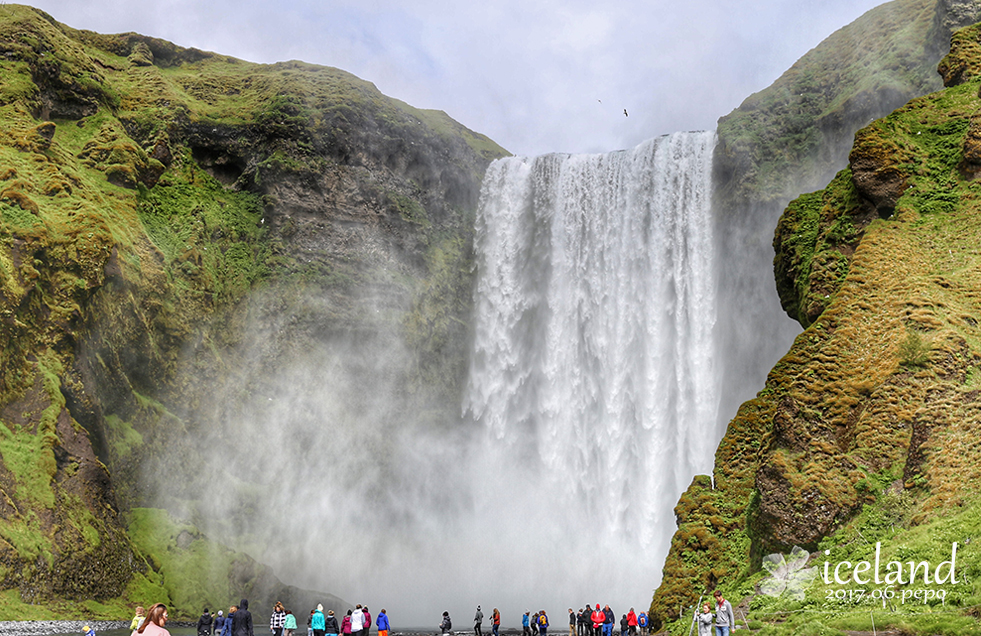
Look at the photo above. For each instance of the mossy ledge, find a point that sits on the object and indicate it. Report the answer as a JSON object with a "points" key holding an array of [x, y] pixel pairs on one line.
{"points": [[154, 200]]}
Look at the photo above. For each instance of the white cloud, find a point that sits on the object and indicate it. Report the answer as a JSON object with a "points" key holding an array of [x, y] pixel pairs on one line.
{"points": [[528, 73]]}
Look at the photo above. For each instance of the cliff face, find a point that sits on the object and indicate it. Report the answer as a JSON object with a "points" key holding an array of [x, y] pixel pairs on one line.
{"points": [[171, 217], [861, 418], [793, 137]]}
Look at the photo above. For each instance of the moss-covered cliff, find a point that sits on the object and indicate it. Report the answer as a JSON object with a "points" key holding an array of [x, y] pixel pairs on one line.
{"points": [[793, 137], [156, 205], [864, 431]]}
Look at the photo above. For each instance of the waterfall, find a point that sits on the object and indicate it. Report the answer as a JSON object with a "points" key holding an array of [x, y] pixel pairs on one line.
{"points": [[593, 365], [592, 390]]}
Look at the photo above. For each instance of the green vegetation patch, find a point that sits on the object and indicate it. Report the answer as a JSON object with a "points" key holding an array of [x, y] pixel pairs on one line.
{"points": [[210, 237], [192, 570]]}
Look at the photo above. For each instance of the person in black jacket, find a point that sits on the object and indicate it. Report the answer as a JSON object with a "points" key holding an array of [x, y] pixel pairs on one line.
{"points": [[331, 622], [242, 620], [204, 623]]}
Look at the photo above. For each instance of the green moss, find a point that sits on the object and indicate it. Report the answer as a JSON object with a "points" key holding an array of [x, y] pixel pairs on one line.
{"points": [[25, 535], [191, 569], [29, 457]]}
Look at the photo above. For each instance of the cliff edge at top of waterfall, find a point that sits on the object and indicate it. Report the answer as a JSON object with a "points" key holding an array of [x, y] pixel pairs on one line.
{"points": [[161, 209]]}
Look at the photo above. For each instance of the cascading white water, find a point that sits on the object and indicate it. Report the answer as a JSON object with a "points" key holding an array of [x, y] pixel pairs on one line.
{"points": [[593, 384], [593, 361]]}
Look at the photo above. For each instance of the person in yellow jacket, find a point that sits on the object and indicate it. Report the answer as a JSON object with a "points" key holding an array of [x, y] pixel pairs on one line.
{"points": [[138, 619]]}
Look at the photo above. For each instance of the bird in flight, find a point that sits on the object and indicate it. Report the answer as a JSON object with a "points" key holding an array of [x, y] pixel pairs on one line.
{"points": [[625, 113]]}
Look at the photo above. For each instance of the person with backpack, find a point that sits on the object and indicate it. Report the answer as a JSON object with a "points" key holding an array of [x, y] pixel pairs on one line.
{"points": [[446, 624], [542, 623], [204, 623], [642, 623]]}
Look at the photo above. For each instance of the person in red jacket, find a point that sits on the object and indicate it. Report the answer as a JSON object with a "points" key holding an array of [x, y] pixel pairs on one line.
{"points": [[632, 622], [598, 618]]}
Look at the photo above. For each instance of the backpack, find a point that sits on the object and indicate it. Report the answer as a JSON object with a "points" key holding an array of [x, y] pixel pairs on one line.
{"points": [[542, 619]]}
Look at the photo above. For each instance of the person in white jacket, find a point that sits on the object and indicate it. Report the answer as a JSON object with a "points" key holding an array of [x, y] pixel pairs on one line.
{"points": [[357, 620], [704, 619]]}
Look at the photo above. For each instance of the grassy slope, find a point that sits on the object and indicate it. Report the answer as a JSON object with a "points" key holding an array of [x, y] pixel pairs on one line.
{"points": [[866, 430], [791, 135], [106, 216]]}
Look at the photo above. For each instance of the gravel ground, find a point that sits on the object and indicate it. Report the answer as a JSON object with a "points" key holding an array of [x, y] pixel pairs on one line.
{"points": [[44, 628]]}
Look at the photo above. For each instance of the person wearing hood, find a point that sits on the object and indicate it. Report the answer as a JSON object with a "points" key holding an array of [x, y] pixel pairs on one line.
{"points": [[346, 624], [242, 620], [205, 623], [317, 621]]}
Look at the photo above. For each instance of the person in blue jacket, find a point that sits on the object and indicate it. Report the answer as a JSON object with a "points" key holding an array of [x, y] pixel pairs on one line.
{"points": [[317, 621], [382, 622]]}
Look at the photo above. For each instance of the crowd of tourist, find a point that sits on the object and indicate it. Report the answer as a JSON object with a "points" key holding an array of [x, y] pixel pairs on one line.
{"points": [[588, 621]]}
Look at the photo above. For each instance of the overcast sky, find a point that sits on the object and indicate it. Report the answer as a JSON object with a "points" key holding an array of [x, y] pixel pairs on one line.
{"points": [[536, 76]]}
